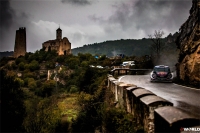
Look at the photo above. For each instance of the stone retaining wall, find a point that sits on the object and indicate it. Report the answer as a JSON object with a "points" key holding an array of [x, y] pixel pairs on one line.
{"points": [[150, 111]]}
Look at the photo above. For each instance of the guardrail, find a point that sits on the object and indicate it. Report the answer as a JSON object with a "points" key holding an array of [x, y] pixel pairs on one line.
{"points": [[151, 112], [127, 70]]}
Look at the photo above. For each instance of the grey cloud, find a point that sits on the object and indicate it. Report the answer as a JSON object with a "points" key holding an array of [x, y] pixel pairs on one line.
{"points": [[149, 15], [121, 15], [24, 15], [9, 23], [77, 36], [6, 13], [77, 2], [6, 21], [162, 13], [22, 20], [96, 19]]}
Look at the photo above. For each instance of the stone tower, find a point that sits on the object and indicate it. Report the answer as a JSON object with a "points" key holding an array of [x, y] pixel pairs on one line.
{"points": [[20, 42], [59, 34]]}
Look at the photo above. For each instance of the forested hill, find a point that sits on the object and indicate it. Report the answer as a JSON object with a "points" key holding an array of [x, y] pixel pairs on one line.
{"points": [[111, 48], [6, 54], [128, 47]]}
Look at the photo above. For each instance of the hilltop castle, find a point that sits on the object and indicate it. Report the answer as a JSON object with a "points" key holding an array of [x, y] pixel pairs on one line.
{"points": [[62, 46], [20, 42]]}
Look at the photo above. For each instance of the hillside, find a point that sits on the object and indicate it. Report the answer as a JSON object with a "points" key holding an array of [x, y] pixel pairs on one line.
{"points": [[128, 47], [112, 48], [6, 54]]}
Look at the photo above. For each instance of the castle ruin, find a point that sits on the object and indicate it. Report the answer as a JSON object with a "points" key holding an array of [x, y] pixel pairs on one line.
{"points": [[62, 46], [20, 42]]}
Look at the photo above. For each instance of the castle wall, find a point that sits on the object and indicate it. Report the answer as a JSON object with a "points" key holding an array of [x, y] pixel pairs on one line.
{"points": [[20, 42], [65, 47], [62, 46]]}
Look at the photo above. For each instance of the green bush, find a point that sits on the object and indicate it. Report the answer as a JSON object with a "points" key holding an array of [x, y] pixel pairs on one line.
{"points": [[14, 66], [12, 104], [73, 89], [90, 116], [19, 60], [32, 84], [21, 66], [20, 81], [43, 116], [34, 65], [46, 89], [28, 74], [118, 121]]}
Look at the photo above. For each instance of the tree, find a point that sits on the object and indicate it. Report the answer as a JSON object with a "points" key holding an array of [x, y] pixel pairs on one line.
{"points": [[34, 65], [73, 63], [12, 106], [157, 44], [21, 66], [32, 84], [42, 115]]}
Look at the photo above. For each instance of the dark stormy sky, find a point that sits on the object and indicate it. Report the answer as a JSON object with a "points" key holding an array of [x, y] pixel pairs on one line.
{"points": [[88, 21]]}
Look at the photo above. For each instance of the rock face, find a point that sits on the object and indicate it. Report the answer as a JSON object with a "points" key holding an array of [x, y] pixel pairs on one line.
{"points": [[20, 42], [188, 41]]}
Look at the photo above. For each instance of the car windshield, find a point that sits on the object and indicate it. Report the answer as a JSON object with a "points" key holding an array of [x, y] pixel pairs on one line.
{"points": [[162, 69]]}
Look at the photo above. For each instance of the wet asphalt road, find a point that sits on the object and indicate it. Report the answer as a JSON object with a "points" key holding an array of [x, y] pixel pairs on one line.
{"points": [[185, 98]]}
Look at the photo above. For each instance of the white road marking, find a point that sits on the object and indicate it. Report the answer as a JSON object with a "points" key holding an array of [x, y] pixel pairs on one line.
{"points": [[187, 87], [120, 78]]}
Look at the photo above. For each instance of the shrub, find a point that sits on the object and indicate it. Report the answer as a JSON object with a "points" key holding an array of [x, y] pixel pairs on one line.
{"points": [[19, 60], [47, 88], [28, 74], [20, 81], [32, 84], [12, 104], [34, 65], [14, 66], [43, 116], [118, 121], [21, 66], [73, 89]]}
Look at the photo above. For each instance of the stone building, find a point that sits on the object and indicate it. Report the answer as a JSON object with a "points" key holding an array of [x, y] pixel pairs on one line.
{"points": [[188, 41], [62, 46], [20, 42]]}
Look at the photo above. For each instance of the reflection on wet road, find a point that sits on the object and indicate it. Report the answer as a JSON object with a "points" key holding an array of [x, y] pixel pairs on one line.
{"points": [[185, 98]]}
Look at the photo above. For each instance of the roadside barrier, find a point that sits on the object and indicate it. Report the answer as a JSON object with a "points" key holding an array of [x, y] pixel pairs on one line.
{"points": [[150, 111]]}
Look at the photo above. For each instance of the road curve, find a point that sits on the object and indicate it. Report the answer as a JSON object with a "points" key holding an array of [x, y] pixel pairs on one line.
{"points": [[185, 98]]}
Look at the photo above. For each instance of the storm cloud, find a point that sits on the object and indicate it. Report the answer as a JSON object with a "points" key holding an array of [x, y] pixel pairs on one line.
{"points": [[6, 14], [163, 14], [88, 21], [6, 20], [147, 15], [77, 2], [10, 22]]}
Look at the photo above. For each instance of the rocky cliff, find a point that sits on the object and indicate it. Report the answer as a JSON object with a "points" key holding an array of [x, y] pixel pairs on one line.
{"points": [[188, 41]]}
